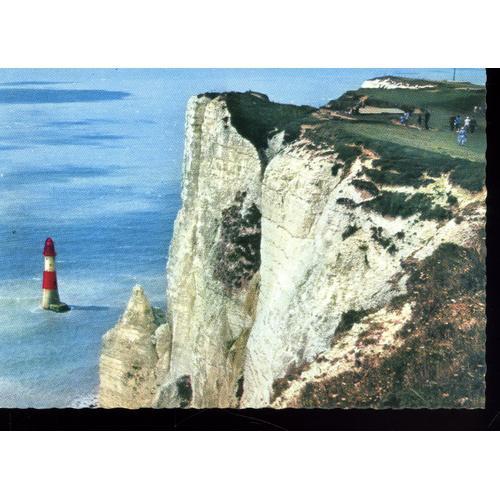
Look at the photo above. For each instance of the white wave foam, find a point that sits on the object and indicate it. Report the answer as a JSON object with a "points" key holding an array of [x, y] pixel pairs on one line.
{"points": [[85, 401]]}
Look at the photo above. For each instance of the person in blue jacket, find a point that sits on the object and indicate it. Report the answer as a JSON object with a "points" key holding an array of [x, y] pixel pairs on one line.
{"points": [[462, 136]]}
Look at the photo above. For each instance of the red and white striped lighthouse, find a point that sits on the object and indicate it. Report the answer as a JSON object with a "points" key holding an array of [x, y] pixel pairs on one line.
{"points": [[50, 294]]}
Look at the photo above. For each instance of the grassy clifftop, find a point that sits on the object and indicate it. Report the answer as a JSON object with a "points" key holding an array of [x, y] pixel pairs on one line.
{"points": [[256, 118], [442, 100], [407, 155]]}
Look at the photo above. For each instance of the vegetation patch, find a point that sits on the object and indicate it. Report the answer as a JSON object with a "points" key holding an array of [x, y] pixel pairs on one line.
{"points": [[397, 204], [406, 166], [348, 202], [335, 169], [293, 372], [386, 175], [349, 319], [346, 101], [348, 153], [350, 230], [184, 390], [450, 96], [366, 186], [392, 248], [377, 236], [255, 117], [237, 253], [239, 388], [444, 97], [398, 164]]}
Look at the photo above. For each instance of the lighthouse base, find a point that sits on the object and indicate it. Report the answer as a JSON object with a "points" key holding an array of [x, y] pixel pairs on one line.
{"points": [[51, 302], [58, 308]]}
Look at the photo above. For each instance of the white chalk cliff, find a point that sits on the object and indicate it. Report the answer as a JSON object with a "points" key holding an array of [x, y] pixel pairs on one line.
{"points": [[281, 275], [394, 83]]}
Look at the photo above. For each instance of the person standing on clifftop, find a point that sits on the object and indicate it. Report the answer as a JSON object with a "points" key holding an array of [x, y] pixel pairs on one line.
{"points": [[472, 125], [427, 117], [452, 123], [462, 136]]}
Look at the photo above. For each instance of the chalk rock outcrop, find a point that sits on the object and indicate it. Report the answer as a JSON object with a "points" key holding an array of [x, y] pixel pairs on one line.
{"points": [[129, 357]]}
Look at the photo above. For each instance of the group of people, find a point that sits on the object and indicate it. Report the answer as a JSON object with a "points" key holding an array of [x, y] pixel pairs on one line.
{"points": [[457, 122], [462, 127], [405, 118]]}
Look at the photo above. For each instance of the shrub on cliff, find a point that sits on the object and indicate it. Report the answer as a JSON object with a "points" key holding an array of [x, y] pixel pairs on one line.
{"points": [[397, 204], [350, 230], [366, 186]]}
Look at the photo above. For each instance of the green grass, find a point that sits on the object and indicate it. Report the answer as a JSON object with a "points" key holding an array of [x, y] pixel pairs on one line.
{"points": [[405, 157], [409, 156], [407, 166], [448, 98], [440, 141]]}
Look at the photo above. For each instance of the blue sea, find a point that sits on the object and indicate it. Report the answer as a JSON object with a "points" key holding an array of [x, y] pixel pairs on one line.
{"points": [[93, 159]]}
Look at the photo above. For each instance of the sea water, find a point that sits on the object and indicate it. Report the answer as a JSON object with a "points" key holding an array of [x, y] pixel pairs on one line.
{"points": [[93, 159]]}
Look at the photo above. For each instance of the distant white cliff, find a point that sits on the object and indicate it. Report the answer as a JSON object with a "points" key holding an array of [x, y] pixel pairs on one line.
{"points": [[394, 83]]}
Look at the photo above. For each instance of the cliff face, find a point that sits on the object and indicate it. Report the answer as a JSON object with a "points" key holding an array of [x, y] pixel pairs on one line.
{"points": [[295, 273], [214, 259], [326, 257]]}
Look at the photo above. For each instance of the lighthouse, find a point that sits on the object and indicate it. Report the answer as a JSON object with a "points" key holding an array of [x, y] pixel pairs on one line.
{"points": [[50, 295]]}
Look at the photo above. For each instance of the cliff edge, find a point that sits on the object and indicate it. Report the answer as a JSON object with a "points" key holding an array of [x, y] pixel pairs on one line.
{"points": [[321, 258]]}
